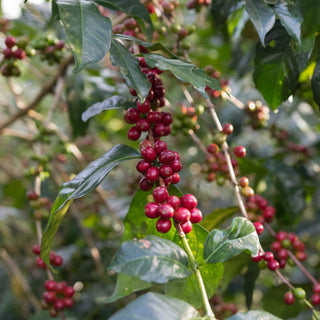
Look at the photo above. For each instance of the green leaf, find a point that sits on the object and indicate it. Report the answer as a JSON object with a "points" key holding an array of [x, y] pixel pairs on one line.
{"points": [[250, 278], [133, 8], [86, 181], [218, 216], [88, 32], [253, 315], [184, 71], [152, 259], [151, 46], [187, 289], [222, 245], [276, 70], [126, 285], [310, 10], [76, 102], [315, 83], [129, 67], [290, 18], [155, 306], [262, 17], [115, 102]]}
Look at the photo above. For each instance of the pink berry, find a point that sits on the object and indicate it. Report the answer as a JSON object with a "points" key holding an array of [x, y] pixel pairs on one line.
{"points": [[186, 227], [273, 265], [275, 246], [59, 305], [151, 210], [281, 235], [289, 298], [196, 215], [316, 288], [163, 226], [188, 201], [36, 249], [40, 263], [259, 227], [57, 261], [160, 194], [239, 151], [315, 299], [181, 215], [268, 256]]}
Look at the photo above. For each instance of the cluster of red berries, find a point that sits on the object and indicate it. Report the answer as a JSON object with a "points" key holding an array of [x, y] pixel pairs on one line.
{"points": [[55, 259], [14, 51], [224, 83], [258, 114], [57, 298], [197, 4], [41, 205], [49, 49], [267, 260], [145, 117], [185, 118], [168, 7], [182, 210], [129, 27], [222, 309]]}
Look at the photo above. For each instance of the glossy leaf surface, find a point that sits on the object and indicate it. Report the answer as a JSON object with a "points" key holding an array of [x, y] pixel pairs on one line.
{"points": [[253, 315]]}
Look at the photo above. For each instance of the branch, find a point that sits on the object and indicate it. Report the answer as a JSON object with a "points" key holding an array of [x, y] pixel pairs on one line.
{"points": [[44, 91]]}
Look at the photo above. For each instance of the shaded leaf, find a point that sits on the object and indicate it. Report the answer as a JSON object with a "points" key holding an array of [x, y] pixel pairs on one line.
{"points": [[86, 181], [222, 245], [115, 102], [88, 32], [310, 10], [152, 259], [126, 285], [315, 83], [262, 17], [133, 8], [151, 46], [129, 68], [250, 278], [254, 315], [155, 306], [290, 18], [276, 70], [184, 71], [217, 217]]}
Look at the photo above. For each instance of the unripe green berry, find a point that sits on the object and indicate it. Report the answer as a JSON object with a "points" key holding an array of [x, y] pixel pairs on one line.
{"points": [[220, 138], [286, 243], [150, 198], [262, 264], [175, 27], [191, 28], [299, 293]]}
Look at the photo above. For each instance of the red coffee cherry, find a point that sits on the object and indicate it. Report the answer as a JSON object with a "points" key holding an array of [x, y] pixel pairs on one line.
{"points": [[36, 249], [176, 165], [145, 185], [53, 313], [167, 157], [59, 305], [275, 246], [57, 261], [143, 166], [244, 182], [258, 258], [315, 299], [148, 154], [268, 256], [281, 235], [316, 288], [69, 291], [144, 107], [133, 134], [186, 227], [40, 263], [10, 41], [181, 215], [152, 174], [227, 129], [301, 255], [165, 171], [151, 210], [259, 227], [175, 178], [282, 254], [160, 146], [132, 116], [49, 296], [32, 195], [165, 211], [19, 54], [68, 302], [61, 286], [166, 118], [163, 226], [213, 148], [268, 213], [188, 201], [273, 265], [174, 201], [130, 24], [160, 194], [239, 151], [50, 285], [143, 125], [289, 298], [196, 215], [154, 117]]}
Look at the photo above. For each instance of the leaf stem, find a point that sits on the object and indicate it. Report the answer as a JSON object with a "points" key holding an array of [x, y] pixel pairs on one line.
{"points": [[195, 268]]}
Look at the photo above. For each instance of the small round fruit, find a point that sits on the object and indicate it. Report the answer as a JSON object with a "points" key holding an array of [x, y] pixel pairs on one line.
{"points": [[50, 285], [165, 211], [148, 154], [151, 210], [244, 182], [143, 166], [145, 185], [163, 226], [239, 151], [299, 293], [227, 129], [160, 194], [247, 192], [213, 148], [268, 256], [167, 157], [132, 115], [69, 291], [152, 174], [181, 215], [144, 107], [68, 302], [134, 134], [40, 263], [160, 146], [174, 201], [315, 299], [273, 265], [259, 227], [36, 249], [196, 215], [289, 298], [186, 227], [49, 296], [188, 201], [59, 305]]}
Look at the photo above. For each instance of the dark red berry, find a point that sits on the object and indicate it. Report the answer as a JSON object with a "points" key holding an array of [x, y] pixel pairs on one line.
{"points": [[61, 286], [53, 313], [316, 288], [151, 210], [213, 148], [163, 226], [50, 285], [32, 195], [166, 118], [160, 194], [315, 299], [301, 255], [49, 296], [174, 201], [188, 201], [134, 134], [130, 24], [59, 45], [227, 128], [273, 265], [258, 258], [165, 171], [298, 245], [68, 302], [281, 235], [143, 125], [282, 263], [239, 151], [165, 211], [186, 227], [152, 174], [259, 227], [145, 185], [268, 256], [143, 166], [132, 116], [19, 54], [159, 129], [59, 305], [10, 41], [181, 215], [275, 246], [149, 154], [69, 291], [268, 213], [144, 107], [289, 298], [154, 117], [175, 178], [36, 249], [167, 157], [160, 146], [7, 52], [40, 263], [196, 215], [282, 254], [176, 165], [57, 261]]}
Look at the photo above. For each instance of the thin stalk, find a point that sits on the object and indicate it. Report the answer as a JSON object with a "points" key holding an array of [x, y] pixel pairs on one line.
{"points": [[194, 267]]}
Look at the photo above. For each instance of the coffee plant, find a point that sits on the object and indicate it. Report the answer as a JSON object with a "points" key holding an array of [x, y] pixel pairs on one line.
{"points": [[160, 160]]}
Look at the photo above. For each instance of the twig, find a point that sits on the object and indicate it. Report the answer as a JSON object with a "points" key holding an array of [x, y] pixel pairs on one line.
{"points": [[44, 91], [18, 134]]}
